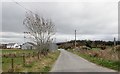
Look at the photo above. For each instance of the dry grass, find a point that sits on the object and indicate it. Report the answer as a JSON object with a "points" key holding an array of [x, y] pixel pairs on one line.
{"points": [[107, 58], [108, 53], [44, 64], [32, 64]]}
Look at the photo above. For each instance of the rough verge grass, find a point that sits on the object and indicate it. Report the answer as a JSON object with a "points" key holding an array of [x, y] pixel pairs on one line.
{"points": [[33, 64], [100, 61]]}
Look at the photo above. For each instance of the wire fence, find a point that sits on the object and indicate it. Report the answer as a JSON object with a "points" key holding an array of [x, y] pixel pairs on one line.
{"points": [[22, 59]]}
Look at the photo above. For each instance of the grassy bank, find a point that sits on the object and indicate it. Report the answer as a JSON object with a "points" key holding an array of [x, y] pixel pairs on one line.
{"points": [[100, 61], [32, 63], [44, 64]]}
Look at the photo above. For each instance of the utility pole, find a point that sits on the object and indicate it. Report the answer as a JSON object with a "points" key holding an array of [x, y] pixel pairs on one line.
{"points": [[75, 38], [114, 41]]}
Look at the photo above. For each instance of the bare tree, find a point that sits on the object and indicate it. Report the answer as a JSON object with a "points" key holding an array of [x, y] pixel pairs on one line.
{"points": [[41, 29]]}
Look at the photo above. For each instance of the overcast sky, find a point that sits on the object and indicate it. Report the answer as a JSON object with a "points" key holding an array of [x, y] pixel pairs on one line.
{"points": [[92, 20]]}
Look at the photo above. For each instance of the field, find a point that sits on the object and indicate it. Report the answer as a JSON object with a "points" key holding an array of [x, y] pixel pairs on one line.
{"points": [[15, 51], [27, 61]]}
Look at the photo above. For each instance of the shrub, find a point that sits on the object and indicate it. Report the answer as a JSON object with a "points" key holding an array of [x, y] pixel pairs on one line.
{"points": [[85, 48], [103, 47], [117, 48]]}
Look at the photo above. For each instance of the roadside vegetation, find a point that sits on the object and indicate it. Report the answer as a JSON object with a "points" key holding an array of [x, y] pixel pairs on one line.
{"points": [[33, 62], [109, 57]]}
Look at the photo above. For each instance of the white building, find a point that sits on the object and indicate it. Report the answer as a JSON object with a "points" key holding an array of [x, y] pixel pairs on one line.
{"points": [[13, 45], [28, 45]]}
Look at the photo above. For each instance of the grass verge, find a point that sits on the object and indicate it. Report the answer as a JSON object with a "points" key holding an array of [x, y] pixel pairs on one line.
{"points": [[33, 64], [100, 61], [45, 63]]}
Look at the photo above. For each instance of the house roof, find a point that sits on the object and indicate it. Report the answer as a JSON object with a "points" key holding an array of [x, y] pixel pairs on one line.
{"points": [[29, 43]]}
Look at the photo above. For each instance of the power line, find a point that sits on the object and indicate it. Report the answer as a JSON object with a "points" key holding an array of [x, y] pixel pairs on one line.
{"points": [[22, 6], [26, 10]]}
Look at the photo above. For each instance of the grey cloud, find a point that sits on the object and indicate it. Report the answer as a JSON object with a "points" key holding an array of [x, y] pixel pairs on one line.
{"points": [[67, 16], [14, 37], [86, 17], [11, 35], [12, 18], [12, 40]]}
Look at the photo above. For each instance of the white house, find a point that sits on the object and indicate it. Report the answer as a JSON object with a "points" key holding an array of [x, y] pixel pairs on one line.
{"points": [[28, 45], [13, 45]]}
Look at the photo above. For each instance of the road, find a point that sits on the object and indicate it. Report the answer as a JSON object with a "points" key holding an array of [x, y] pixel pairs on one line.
{"points": [[69, 62]]}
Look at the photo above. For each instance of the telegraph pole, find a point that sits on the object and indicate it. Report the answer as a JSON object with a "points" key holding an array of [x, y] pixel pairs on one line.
{"points": [[75, 38], [114, 41]]}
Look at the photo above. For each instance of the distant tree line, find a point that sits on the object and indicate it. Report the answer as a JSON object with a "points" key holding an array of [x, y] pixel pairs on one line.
{"points": [[88, 43]]}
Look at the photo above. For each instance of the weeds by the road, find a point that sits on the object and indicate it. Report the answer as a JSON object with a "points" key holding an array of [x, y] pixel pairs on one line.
{"points": [[100, 61], [45, 63], [32, 63]]}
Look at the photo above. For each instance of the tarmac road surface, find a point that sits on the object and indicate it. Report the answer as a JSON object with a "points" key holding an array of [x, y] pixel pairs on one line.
{"points": [[69, 62]]}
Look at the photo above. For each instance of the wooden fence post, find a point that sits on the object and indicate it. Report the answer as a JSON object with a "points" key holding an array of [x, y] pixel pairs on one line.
{"points": [[38, 55], [33, 54], [23, 59], [12, 64], [29, 55]]}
